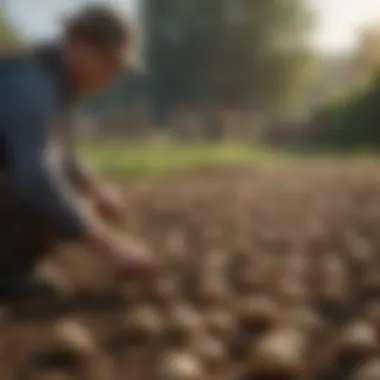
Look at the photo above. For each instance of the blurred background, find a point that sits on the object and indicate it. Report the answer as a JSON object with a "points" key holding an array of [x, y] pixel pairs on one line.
{"points": [[300, 75], [245, 144]]}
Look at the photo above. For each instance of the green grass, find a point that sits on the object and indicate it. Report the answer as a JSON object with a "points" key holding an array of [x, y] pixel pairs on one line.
{"points": [[157, 159], [122, 160]]}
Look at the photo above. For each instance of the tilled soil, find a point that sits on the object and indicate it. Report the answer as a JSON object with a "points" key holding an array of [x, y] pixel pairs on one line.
{"points": [[267, 274]]}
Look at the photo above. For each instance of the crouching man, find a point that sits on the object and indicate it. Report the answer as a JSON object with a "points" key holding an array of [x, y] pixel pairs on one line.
{"points": [[38, 192]]}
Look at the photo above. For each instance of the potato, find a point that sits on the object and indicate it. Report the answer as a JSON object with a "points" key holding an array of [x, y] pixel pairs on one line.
{"points": [[179, 366]]}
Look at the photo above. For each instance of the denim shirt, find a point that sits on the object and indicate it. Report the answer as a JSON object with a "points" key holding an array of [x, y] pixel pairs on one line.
{"points": [[34, 94]]}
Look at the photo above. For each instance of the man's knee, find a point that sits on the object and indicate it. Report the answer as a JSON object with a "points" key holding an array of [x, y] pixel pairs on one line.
{"points": [[24, 235]]}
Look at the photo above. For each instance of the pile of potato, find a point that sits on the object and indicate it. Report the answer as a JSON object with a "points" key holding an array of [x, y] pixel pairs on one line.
{"points": [[270, 274]]}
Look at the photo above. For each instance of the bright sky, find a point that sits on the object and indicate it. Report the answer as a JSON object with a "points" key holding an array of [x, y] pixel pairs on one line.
{"points": [[39, 18], [339, 22]]}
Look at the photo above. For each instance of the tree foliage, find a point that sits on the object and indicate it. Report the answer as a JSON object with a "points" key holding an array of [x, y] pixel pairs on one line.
{"points": [[354, 121], [8, 35], [366, 61], [238, 52]]}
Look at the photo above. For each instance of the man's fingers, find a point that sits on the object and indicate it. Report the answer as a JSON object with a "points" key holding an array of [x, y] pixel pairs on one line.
{"points": [[135, 261], [138, 269]]}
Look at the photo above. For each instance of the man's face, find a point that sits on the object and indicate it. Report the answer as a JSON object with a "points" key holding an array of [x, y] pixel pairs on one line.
{"points": [[92, 68]]}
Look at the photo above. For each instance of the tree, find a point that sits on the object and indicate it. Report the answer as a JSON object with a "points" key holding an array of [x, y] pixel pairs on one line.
{"points": [[8, 35], [242, 53], [366, 60], [353, 120]]}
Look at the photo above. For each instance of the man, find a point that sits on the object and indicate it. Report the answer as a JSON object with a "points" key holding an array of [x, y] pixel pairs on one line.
{"points": [[38, 189]]}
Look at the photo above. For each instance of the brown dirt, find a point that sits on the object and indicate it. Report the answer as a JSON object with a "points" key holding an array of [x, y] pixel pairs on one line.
{"points": [[269, 274]]}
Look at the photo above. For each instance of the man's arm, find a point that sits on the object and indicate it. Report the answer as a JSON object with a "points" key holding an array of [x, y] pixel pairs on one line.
{"points": [[26, 114], [105, 199], [79, 175], [39, 183]]}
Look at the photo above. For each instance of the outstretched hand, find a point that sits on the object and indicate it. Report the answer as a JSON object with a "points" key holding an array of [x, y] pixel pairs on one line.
{"points": [[131, 260], [109, 204], [134, 261]]}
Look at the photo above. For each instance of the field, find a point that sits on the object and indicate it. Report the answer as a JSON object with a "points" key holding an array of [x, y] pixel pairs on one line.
{"points": [[271, 272], [160, 158]]}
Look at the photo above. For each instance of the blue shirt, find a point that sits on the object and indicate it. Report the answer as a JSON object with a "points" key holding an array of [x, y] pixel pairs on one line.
{"points": [[33, 96]]}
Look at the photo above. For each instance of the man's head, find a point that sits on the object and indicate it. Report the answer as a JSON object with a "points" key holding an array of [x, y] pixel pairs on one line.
{"points": [[97, 43]]}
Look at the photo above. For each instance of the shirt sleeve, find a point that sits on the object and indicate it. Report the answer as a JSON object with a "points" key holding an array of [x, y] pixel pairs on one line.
{"points": [[74, 168], [36, 178]]}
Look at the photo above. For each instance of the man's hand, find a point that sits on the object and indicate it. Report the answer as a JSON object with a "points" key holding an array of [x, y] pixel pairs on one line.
{"points": [[105, 199], [130, 260], [133, 261], [109, 204]]}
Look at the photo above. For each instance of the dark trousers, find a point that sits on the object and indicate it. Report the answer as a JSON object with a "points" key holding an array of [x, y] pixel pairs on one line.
{"points": [[25, 236]]}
